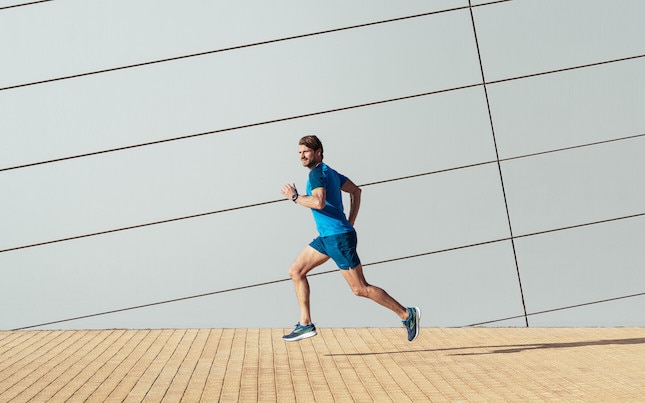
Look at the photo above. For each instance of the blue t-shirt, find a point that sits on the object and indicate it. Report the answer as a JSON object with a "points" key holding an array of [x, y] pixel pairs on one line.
{"points": [[331, 219]]}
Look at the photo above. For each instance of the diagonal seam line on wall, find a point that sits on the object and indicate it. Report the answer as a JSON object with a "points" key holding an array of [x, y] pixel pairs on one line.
{"points": [[557, 309], [244, 126], [565, 69], [31, 3], [499, 164]]}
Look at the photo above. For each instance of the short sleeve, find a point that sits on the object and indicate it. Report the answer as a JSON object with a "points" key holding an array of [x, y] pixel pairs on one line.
{"points": [[342, 179], [316, 179]]}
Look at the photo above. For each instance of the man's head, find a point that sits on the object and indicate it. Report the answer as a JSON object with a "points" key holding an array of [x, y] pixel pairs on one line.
{"points": [[311, 151]]}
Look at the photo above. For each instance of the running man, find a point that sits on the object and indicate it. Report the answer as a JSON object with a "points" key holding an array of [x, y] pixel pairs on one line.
{"points": [[337, 240]]}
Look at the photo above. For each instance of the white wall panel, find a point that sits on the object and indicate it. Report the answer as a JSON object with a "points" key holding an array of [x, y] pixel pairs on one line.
{"points": [[575, 187], [568, 109], [584, 265], [403, 138], [523, 37], [431, 213]]}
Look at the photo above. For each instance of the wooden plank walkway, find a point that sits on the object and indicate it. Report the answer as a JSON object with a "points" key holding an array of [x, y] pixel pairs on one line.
{"points": [[367, 364]]}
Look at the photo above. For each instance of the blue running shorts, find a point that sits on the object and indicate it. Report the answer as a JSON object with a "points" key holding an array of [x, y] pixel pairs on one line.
{"points": [[340, 248]]}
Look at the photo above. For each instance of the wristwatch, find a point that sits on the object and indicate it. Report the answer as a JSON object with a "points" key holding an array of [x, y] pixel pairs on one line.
{"points": [[294, 196]]}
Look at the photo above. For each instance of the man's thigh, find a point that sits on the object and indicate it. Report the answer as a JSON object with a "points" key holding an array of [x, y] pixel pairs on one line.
{"points": [[355, 277], [308, 260]]}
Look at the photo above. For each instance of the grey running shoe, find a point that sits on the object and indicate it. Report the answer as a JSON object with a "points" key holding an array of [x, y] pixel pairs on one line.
{"points": [[412, 323], [301, 332]]}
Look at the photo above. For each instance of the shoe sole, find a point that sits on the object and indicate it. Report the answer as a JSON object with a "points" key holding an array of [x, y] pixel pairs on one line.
{"points": [[302, 336], [418, 325]]}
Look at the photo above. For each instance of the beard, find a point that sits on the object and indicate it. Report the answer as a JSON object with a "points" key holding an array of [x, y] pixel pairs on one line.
{"points": [[309, 163]]}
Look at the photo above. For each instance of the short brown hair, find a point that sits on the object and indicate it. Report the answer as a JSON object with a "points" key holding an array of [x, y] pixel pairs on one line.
{"points": [[312, 142]]}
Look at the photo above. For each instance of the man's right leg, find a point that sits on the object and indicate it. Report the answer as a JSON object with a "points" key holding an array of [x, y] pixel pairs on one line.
{"points": [[306, 261]]}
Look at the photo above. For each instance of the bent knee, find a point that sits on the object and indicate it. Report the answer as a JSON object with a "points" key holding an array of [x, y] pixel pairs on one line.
{"points": [[297, 272], [360, 291]]}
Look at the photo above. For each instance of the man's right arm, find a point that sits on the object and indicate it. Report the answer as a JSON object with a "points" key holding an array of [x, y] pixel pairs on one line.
{"points": [[317, 200]]}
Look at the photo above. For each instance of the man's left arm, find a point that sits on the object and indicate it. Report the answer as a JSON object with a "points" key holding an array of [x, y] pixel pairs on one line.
{"points": [[354, 199]]}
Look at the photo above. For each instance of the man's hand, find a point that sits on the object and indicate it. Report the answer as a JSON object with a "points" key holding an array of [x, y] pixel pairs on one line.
{"points": [[288, 191]]}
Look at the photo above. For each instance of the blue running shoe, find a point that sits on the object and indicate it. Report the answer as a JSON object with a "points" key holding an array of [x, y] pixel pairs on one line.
{"points": [[412, 323], [301, 332]]}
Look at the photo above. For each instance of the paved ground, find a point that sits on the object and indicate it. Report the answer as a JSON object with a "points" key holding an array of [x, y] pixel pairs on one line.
{"points": [[474, 364]]}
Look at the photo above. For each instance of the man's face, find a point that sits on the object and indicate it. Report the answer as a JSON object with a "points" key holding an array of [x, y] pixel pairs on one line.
{"points": [[309, 157]]}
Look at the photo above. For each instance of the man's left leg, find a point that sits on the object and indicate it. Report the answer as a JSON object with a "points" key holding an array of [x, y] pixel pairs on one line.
{"points": [[362, 288]]}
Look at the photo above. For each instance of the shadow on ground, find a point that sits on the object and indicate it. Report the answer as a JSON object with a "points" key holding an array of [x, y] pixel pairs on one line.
{"points": [[508, 349]]}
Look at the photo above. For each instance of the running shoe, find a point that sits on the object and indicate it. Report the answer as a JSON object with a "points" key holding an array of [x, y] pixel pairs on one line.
{"points": [[412, 323], [301, 332]]}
